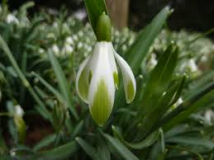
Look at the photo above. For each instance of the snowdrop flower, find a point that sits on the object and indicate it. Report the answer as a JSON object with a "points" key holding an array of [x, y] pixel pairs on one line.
{"points": [[209, 115], [12, 19], [67, 49], [55, 49], [152, 62], [179, 101], [18, 111], [97, 79], [69, 40], [192, 65]]}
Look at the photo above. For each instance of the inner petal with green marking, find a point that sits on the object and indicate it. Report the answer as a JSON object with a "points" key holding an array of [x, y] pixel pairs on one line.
{"points": [[116, 79], [102, 106], [83, 84], [130, 91]]}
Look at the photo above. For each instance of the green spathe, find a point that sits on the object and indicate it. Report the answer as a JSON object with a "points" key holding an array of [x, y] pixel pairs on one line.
{"points": [[101, 107], [103, 28]]}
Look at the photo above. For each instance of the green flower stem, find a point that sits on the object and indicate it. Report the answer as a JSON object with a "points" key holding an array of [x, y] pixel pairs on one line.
{"points": [[5, 48]]}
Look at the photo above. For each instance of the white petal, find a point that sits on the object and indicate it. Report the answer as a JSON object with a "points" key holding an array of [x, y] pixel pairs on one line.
{"points": [[113, 64], [82, 84], [128, 78], [101, 90]]}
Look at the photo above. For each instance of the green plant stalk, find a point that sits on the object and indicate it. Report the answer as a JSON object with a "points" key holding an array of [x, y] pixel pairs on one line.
{"points": [[23, 79]]}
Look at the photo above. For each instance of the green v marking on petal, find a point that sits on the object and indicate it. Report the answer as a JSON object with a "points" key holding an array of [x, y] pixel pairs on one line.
{"points": [[101, 108]]}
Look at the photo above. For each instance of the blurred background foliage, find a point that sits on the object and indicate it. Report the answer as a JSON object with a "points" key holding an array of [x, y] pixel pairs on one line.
{"points": [[193, 15], [42, 118]]}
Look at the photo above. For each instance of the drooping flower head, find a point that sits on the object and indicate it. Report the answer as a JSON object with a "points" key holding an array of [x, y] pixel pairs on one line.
{"points": [[97, 78]]}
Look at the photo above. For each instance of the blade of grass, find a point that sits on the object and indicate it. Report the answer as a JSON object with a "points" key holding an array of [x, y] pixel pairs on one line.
{"points": [[199, 101], [199, 157], [148, 141], [140, 48], [62, 82], [49, 87], [23, 79], [90, 150], [159, 79], [120, 148], [59, 153]]}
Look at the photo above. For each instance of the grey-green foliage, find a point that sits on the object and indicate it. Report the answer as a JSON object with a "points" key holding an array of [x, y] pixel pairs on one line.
{"points": [[162, 122]]}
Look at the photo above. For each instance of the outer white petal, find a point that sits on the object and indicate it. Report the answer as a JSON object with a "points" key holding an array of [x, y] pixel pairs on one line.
{"points": [[82, 84], [128, 78], [101, 90], [113, 64]]}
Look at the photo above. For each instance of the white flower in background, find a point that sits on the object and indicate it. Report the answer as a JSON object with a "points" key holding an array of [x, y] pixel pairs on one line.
{"points": [[55, 49], [75, 38], [179, 101], [41, 51], [190, 66], [18, 111], [80, 14], [67, 49], [80, 45], [12, 153], [80, 34], [12, 19], [209, 115], [97, 81], [69, 40], [55, 24], [152, 62]]}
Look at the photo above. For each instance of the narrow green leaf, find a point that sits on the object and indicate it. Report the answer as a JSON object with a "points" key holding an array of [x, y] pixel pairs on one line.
{"points": [[49, 87], [193, 141], [199, 101], [63, 84], [159, 79], [78, 129], [41, 106], [3, 146], [200, 82], [179, 91], [60, 152], [120, 148], [103, 149], [45, 142], [151, 119], [139, 50], [3, 157], [148, 141], [90, 150], [199, 157]]}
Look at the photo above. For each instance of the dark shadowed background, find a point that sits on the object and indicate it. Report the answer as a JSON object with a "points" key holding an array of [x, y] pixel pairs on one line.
{"points": [[197, 15]]}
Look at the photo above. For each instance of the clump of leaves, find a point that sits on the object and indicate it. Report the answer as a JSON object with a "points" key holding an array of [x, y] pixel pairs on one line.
{"points": [[39, 58]]}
